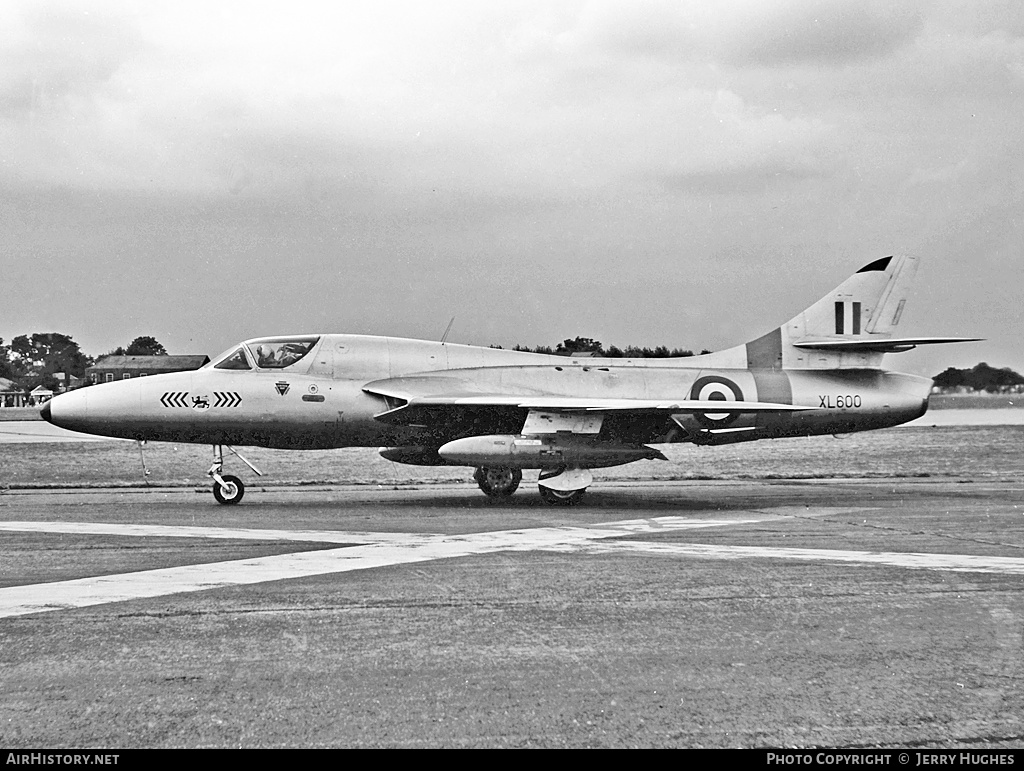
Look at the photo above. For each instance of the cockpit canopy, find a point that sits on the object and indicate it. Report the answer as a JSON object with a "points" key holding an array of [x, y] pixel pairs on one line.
{"points": [[266, 353]]}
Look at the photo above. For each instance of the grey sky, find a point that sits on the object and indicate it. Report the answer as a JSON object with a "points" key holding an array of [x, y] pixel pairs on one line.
{"points": [[687, 174]]}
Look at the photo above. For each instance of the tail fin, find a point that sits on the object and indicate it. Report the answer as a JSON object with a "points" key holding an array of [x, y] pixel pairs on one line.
{"points": [[869, 303], [849, 328]]}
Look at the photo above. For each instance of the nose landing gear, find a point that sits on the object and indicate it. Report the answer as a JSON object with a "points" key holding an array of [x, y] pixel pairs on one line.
{"points": [[227, 488]]}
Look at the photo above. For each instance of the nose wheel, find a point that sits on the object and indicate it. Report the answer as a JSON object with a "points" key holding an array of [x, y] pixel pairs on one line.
{"points": [[227, 488]]}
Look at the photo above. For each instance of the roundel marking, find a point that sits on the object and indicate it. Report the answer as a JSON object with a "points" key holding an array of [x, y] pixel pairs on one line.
{"points": [[712, 388]]}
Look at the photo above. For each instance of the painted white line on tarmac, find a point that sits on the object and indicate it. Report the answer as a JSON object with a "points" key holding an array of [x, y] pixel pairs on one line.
{"points": [[395, 549], [83, 592], [962, 563], [654, 525], [231, 533], [38, 598]]}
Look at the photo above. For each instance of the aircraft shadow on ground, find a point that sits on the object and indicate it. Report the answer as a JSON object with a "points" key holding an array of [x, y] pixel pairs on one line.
{"points": [[626, 503]]}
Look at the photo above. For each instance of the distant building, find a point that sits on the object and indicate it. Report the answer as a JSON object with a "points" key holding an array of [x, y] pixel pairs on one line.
{"points": [[40, 394], [110, 368], [67, 382], [11, 394]]}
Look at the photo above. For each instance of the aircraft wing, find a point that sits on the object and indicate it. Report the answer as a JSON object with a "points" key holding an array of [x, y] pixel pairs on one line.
{"points": [[881, 345], [408, 402]]}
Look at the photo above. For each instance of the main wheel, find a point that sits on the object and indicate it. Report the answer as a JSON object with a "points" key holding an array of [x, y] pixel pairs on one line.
{"points": [[498, 481], [561, 497], [230, 494]]}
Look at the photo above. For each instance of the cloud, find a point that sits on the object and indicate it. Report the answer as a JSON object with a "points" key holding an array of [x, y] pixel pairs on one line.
{"points": [[533, 102], [382, 158], [720, 144], [977, 18], [950, 64], [736, 33], [52, 52], [830, 33]]}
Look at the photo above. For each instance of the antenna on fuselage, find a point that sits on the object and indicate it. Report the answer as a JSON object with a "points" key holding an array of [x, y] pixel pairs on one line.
{"points": [[448, 329]]}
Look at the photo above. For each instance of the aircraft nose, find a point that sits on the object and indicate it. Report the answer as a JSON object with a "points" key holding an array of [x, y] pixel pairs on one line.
{"points": [[68, 410]]}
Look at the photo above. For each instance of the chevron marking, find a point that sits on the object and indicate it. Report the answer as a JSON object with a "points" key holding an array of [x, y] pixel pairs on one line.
{"points": [[226, 399], [175, 399]]}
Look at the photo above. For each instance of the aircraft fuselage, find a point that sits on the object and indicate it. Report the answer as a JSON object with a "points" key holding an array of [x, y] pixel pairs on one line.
{"points": [[320, 401]]}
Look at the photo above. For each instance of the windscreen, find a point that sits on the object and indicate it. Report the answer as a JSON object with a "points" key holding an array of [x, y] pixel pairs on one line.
{"points": [[234, 359]]}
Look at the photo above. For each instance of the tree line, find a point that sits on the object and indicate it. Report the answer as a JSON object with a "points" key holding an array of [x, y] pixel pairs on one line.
{"points": [[980, 377], [578, 345], [33, 360]]}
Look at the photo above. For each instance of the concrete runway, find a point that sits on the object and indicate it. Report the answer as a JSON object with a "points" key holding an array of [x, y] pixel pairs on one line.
{"points": [[842, 613]]}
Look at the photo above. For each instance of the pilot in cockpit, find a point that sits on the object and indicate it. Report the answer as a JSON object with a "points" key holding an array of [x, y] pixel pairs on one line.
{"points": [[265, 356]]}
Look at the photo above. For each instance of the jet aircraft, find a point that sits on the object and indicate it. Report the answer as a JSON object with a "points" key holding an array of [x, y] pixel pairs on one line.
{"points": [[502, 412]]}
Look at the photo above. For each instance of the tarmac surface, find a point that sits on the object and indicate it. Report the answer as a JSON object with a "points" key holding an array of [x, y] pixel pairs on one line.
{"points": [[834, 613]]}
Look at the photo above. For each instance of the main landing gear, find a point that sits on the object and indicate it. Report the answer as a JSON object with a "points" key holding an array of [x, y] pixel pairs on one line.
{"points": [[564, 486], [558, 487], [227, 488], [498, 481], [561, 497]]}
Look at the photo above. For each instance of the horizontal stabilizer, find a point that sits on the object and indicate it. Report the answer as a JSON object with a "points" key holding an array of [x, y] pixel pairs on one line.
{"points": [[880, 345]]}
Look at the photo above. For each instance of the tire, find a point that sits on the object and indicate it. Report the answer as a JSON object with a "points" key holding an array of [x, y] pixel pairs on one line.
{"points": [[498, 481], [234, 493], [561, 497]]}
